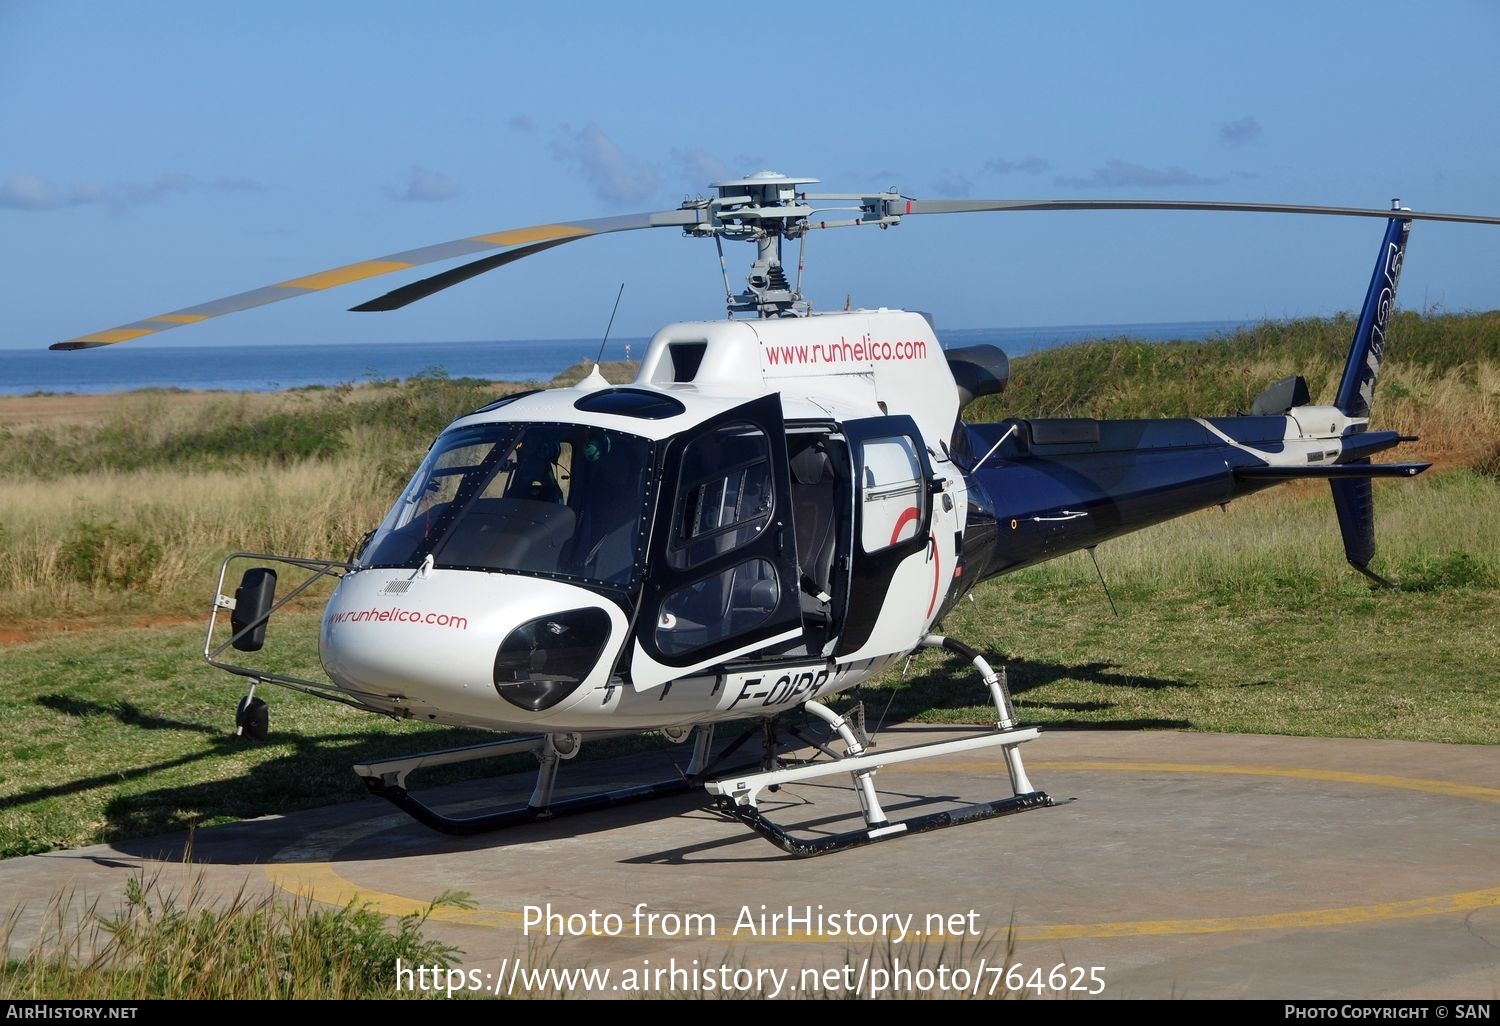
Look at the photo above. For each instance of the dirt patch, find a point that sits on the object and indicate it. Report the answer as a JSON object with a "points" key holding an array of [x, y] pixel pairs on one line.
{"points": [[23, 632]]}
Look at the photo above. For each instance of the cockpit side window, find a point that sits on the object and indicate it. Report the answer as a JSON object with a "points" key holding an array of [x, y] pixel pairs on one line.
{"points": [[895, 499], [724, 495], [555, 499]]}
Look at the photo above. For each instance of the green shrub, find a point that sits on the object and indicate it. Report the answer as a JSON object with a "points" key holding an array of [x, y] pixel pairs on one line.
{"points": [[274, 438], [109, 556]]}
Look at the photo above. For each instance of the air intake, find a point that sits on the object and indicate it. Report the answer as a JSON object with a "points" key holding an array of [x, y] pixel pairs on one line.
{"points": [[978, 370]]}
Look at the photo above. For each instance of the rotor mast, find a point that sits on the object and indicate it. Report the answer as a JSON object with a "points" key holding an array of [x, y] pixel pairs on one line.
{"points": [[765, 208]]}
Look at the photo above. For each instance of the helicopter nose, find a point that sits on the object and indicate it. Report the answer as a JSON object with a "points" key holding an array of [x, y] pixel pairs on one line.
{"points": [[475, 645], [546, 659]]}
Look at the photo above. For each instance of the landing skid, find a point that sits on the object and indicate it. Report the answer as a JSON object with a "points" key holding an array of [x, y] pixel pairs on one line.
{"points": [[386, 778], [739, 797]]}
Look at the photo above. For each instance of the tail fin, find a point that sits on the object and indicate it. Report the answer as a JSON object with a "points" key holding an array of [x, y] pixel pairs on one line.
{"points": [[1362, 368], [1354, 498], [1354, 501]]}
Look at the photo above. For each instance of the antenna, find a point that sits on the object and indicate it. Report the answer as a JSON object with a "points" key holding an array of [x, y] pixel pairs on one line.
{"points": [[1102, 583], [611, 324]]}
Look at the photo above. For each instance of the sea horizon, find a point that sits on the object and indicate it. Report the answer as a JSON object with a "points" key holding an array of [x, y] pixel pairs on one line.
{"points": [[280, 366]]}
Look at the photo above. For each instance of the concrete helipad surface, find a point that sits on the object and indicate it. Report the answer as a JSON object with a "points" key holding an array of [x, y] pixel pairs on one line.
{"points": [[1189, 866]]}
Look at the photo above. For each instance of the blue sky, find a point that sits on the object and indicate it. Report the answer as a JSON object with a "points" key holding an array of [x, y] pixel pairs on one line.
{"points": [[155, 155]]}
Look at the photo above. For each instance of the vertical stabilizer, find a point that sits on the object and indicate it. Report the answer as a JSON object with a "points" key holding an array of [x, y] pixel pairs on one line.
{"points": [[1354, 498], [1354, 501], [1357, 389]]}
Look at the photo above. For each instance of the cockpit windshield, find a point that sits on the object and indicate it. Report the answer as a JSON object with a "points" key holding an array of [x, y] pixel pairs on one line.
{"points": [[539, 498]]}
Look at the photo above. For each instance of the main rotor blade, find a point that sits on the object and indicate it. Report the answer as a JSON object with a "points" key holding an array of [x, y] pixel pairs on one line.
{"points": [[562, 231], [408, 294], [965, 206]]}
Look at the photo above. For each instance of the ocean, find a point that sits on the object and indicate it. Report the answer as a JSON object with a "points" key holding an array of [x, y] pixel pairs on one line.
{"points": [[268, 368]]}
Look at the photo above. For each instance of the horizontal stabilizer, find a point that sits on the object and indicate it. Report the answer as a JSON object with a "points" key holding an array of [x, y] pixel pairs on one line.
{"points": [[1336, 471]]}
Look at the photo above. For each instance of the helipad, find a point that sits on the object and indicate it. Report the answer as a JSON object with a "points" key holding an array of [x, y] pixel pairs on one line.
{"points": [[1190, 865]]}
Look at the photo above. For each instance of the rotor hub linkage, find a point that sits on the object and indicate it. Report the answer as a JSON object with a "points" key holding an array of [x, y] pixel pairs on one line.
{"points": [[765, 208]]}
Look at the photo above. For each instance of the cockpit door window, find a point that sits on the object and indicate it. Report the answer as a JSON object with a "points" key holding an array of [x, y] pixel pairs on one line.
{"points": [[723, 568]]}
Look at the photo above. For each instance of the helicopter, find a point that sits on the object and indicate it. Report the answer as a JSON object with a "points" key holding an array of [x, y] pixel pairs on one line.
{"points": [[783, 504]]}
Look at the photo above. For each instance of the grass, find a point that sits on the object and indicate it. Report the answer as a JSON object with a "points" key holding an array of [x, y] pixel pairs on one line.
{"points": [[181, 944], [1248, 620], [126, 732], [131, 512], [113, 526], [1244, 620], [150, 541]]}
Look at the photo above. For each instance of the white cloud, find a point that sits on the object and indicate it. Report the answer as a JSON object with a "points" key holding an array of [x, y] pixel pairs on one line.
{"points": [[1026, 165], [699, 168], [1123, 173], [1237, 133], [951, 183], [423, 185], [615, 178], [28, 192]]}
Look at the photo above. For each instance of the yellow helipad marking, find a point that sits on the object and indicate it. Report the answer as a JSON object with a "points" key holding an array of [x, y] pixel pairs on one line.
{"points": [[1467, 901], [316, 879], [319, 881], [1442, 787]]}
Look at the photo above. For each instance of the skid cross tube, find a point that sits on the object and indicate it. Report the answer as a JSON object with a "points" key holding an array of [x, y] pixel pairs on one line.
{"points": [[739, 796], [745, 790]]}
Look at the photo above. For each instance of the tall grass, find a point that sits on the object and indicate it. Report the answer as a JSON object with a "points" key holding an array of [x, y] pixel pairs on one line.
{"points": [[155, 430], [127, 541], [184, 944], [1439, 532], [187, 944], [132, 512], [1441, 378]]}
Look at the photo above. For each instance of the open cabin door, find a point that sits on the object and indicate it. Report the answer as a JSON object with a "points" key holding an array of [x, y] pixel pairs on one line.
{"points": [[722, 577], [891, 566]]}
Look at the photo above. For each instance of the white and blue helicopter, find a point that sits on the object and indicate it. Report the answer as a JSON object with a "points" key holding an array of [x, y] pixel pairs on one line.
{"points": [[782, 505]]}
